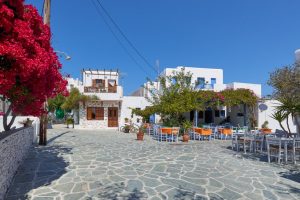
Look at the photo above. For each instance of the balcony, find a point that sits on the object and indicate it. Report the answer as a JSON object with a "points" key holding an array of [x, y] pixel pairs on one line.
{"points": [[100, 89], [206, 86], [114, 93]]}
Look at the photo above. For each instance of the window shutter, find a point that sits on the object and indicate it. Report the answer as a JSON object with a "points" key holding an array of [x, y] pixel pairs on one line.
{"points": [[100, 113], [94, 83]]}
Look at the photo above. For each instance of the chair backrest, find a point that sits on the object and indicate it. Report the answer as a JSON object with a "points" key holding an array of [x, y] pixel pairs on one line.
{"points": [[197, 130], [297, 143], [273, 141], [166, 130], [175, 130]]}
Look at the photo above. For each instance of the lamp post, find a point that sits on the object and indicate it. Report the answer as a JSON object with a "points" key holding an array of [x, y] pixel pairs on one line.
{"points": [[67, 57]]}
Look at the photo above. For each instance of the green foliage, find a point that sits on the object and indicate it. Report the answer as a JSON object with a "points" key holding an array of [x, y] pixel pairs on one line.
{"points": [[279, 116], [286, 82], [238, 97], [72, 101], [56, 102], [265, 124], [187, 125], [178, 95], [69, 121]]}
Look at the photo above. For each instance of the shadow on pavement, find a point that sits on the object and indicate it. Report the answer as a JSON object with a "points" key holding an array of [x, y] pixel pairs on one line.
{"points": [[43, 165]]}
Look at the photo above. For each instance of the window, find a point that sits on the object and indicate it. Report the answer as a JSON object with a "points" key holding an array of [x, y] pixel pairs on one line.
{"points": [[222, 113], [200, 116], [200, 82], [98, 83], [213, 81], [95, 113], [217, 113]]}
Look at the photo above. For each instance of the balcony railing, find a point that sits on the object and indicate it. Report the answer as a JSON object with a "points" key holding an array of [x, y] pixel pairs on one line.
{"points": [[100, 89], [205, 86]]}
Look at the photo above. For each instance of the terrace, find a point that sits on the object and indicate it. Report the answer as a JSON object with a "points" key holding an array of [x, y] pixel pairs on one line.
{"points": [[81, 164]]}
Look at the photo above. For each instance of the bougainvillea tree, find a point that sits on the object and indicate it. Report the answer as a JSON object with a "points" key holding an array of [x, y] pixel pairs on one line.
{"points": [[29, 68]]}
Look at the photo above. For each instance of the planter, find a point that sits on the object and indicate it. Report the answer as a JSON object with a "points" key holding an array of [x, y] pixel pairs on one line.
{"points": [[185, 138], [126, 130], [140, 136], [266, 130]]}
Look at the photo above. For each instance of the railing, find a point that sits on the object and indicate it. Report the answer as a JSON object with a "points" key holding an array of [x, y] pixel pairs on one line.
{"points": [[101, 89], [205, 86]]}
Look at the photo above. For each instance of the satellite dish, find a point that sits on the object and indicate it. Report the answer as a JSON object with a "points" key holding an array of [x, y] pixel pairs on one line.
{"points": [[262, 107]]}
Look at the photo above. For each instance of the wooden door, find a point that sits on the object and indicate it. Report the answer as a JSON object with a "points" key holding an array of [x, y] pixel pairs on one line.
{"points": [[112, 117]]}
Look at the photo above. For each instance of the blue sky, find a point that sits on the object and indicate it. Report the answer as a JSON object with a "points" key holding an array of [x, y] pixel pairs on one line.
{"points": [[247, 39]]}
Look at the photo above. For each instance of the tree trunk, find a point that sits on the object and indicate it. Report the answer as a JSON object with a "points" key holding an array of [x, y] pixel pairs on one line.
{"points": [[280, 123], [297, 122], [6, 125], [43, 129], [288, 126]]}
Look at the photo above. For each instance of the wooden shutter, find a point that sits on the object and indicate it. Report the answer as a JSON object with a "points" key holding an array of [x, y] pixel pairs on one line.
{"points": [[94, 83], [100, 113], [89, 113]]}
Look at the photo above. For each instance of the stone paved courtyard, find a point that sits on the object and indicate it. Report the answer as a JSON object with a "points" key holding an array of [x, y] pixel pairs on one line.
{"points": [[80, 164]]}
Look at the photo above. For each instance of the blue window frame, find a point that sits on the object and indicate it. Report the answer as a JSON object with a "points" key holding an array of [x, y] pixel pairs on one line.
{"points": [[201, 82], [213, 81]]}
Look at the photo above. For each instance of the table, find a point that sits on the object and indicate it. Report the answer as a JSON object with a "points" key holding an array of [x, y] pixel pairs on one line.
{"points": [[284, 142]]}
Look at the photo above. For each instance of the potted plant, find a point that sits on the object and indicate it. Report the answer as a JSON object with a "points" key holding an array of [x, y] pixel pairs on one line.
{"points": [[126, 128], [140, 134], [27, 122], [265, 128], [70, 121], [126, 120], [187, 125]]}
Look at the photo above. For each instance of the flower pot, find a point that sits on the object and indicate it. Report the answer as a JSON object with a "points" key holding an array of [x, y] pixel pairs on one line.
{"points": [[140, 136], [126, 130], [185, 138], [266, 130]]}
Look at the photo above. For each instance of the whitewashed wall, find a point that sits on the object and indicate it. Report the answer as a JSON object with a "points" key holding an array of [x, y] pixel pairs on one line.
{"points": [[266, 116], [132, 102], [206, 73], [256, 88], [17, 124]]}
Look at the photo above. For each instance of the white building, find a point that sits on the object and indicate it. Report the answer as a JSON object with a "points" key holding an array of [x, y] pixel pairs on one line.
{"points": [[111, 107], [207, 79]]}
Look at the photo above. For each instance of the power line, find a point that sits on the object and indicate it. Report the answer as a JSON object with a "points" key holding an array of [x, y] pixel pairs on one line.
{"points": [[125, 37], [118, 40]]}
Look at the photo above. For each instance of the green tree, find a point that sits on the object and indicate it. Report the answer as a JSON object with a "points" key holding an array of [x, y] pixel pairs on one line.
{"points": [[72, 101], [286, 84], [56, 102]]}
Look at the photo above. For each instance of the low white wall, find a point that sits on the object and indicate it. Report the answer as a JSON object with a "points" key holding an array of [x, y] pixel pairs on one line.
{"points": [[13, 150], [266, 116], [17, 124]]}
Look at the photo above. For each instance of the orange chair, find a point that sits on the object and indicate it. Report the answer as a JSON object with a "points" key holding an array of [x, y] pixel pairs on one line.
{"points": [[165, 133], [225, 133], [206, 132], [196, 134]]}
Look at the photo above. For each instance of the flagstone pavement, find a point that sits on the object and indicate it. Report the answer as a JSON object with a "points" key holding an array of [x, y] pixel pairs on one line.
{"points": [[81, 164]]}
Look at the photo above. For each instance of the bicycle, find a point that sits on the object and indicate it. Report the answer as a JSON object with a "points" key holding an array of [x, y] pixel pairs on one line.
{"points": [[129, 128]]}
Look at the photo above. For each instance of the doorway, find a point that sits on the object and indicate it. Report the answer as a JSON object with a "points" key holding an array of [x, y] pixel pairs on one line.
{"points": [[208, 118], [112, 117]]}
